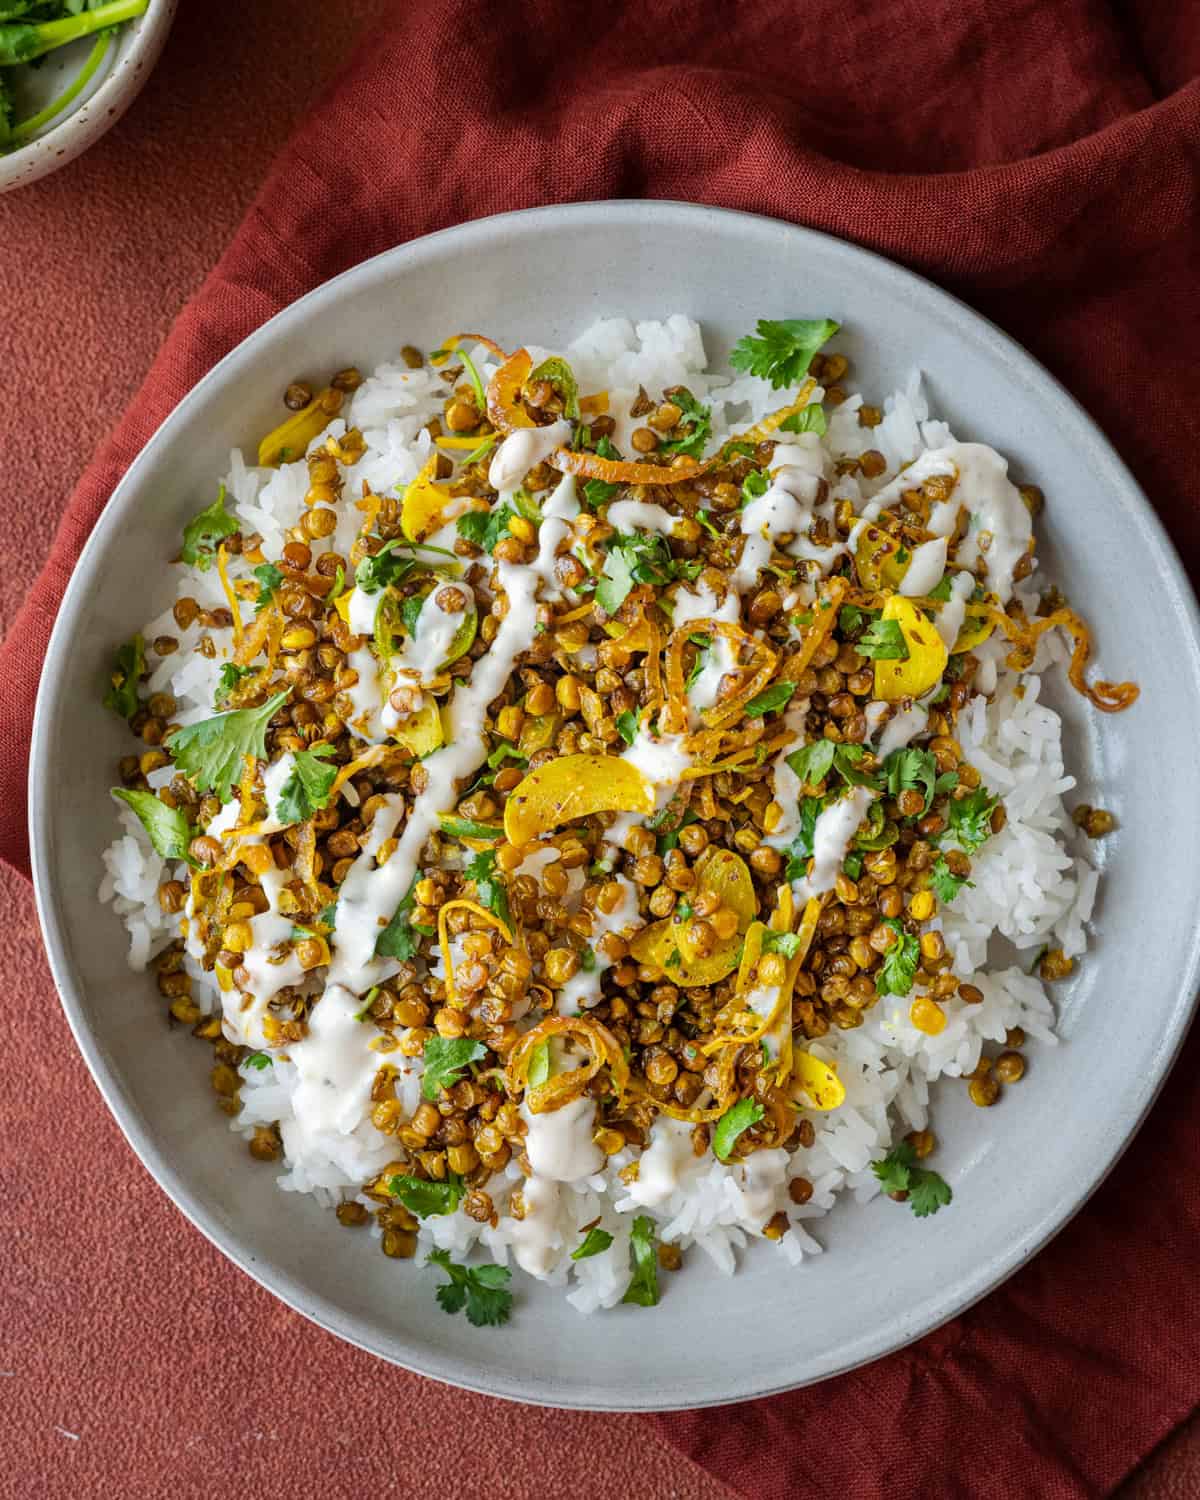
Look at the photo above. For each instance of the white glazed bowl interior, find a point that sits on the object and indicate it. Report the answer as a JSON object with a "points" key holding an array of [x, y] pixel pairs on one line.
{"points": [[1018, 1171]]}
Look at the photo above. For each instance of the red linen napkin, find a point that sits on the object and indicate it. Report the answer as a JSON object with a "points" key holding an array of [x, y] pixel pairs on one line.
{"points": [[1038, 157]]}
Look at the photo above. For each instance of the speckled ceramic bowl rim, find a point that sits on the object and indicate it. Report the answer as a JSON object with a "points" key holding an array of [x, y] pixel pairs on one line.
{"points": [[84, 125], [977, 334]]}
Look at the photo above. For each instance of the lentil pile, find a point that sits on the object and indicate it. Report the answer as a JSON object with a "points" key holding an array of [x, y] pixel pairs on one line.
{"points": [[573, 792]]}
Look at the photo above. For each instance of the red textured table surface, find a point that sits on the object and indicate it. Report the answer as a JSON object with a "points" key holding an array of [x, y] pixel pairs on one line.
{"points": [[135, 1361]]}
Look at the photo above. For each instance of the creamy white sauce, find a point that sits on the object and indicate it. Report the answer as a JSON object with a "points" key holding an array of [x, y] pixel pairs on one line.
{"points": [[336, 1063], [559, 1142], [901, 729], [661, 761], [229, 816], [274, 778], [270, 929], [786, 784], [637, 515], [926, 568], [720, 658], [557, 514], [701, 603], [537, 1242], [835, 827], [760, 1186], [943, 518], [788, 505], [665, 1164], [998, 514], [875, 713], [524, 450], [361, 614], [366, 697], [949, 619]]}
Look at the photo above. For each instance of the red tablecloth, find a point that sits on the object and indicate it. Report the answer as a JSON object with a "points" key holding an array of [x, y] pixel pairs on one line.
{"points": [[1038, 158]]}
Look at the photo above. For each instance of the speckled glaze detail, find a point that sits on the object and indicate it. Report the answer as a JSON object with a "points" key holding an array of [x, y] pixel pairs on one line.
{"points": [[138, 46], [888, 1278]]}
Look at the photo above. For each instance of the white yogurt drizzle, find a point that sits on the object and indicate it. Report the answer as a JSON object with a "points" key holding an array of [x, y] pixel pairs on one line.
{"points": [[523, 450], [787, 785], [583, 990], [834, 829], [788, 505], [925, 569], [665, 1163], [949, 619], [1000, 527], [662, 761], [637, 515], [423, 655], [536, 1239], [902, 729], [559, 1142]]}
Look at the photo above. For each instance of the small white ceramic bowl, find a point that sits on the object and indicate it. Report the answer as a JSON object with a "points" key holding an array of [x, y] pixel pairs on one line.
{"points": [[99, 106]]}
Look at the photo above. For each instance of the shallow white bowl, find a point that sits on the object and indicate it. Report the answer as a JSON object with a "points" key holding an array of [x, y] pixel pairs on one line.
{"points": [[98, 108], [1019, 1171]]}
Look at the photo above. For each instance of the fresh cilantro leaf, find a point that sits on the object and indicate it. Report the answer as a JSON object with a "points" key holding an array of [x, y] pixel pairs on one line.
{"points": [[230, 675], [900, 962], [673, 960], [701, 660], [212, 751], [269, 578], [783, 350], [883, 641], [386, 567], [482, 1290], [307, 786], [446, 1060], [258, 1061], [595, 1242], [908, 770], [410, 613], [852, 865], [684, 910], [704, 519], [971, 818], [737, 1119], [401, 938], [168, 827], [942, 592], [787, 943], [944, 883], [587, 960], [845, 762], [669, 841], [813, 763], [643, 1289], [627, 726], [203, 531], [428, 1200], [697, 419], [489, 886], [468, 828], [946, 782], [929, 1192], [485, 527], [122, 696], [755, 484], [617, 581], [898, 1172], [807, 419], [597, 492], [777, 696], [560, 375], [852, 619], [800, 851], [339, 585]]}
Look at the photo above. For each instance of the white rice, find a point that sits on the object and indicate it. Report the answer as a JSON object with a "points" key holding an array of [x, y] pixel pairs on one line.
{"points": [[1030, 886]]}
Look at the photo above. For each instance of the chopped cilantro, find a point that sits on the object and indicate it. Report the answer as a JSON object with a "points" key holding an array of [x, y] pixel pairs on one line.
{"points": [[800, 851], [737, 1118], [204, 530], [386, 567], [489, 887], [883, 641], [643, 1288], [428, 1200], [505, 750], [401, 938], [212, 752], [627, 726], [410, 613], [770, 699], [634, 557], [697, 419], [597, 492], [899, 967], [595, 1242], [258, 1061], [787, 943], [587, 961], [446, 1060], [852, 865], [782, 350], [971, 818], [168, 827], [942, 592], [807, 419], [307, 786], [944, 883], [269, 578], [485, 527], [229, 677], [704, 519], [122, 696], [898, 1172], [755, 484], [812, 763], [852, 619], [482, 1290], [910, 769]]}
